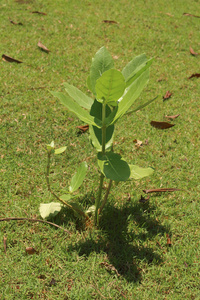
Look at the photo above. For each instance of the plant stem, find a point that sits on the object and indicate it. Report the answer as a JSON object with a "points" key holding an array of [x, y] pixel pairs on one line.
{"points": [[97, 202], [50, 190], [105, 198]]}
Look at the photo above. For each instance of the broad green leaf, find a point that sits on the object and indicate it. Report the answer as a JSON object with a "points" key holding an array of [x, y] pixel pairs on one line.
{"points": [[82, 99], [138, 172], [66, 197], [78, 178], [101, 62], [81, 113], [60, 150], [113, 166], [140, 106], [50, 146], [49, 210], [110, 87], [96, 133], [134, 65], [129, 98], [138, 72]]}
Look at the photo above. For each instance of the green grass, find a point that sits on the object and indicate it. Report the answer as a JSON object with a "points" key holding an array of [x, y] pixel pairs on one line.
{"points": [[128, 256]]}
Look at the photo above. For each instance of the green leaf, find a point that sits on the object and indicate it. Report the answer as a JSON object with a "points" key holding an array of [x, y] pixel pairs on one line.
{"points": [[140, 106], [60, 150], [113, 166], [96, 133], [138, 172], [129, 98], [101, 62], [138, 72], [50, 146], [49, 210], [78, 178], [66, 197], [81, 113], [76, 208], [134, 65], [82, 99], [110, 87], [91, 210]]}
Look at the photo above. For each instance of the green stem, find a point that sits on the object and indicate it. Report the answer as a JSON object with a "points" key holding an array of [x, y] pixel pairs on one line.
{"points": [[105, 198], [97, 202]]}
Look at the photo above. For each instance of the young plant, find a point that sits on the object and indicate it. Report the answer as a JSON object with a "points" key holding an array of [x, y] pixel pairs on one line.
{"points": [[114, 94]]}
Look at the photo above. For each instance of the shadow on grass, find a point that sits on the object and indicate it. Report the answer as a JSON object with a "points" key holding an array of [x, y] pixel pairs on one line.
{"points": [[123, 237]]}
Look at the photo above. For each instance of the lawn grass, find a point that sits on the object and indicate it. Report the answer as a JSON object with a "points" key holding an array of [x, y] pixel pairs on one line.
{"points": [[128, 256]]}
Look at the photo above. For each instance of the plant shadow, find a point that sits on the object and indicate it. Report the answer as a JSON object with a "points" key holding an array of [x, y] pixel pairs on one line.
{"points": [[125, 245]]}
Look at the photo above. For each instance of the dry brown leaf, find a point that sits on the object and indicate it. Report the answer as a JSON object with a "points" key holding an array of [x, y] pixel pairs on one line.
{"points": [[192, 52], [190, 15], [44, 48], [143, 199], [30, 250], [169, 242], [161, 125], [38, 12], [167, 95], [194, 75], [83, 128], [110, 267], [15, 23], [170, 15], [4, 243], [161, 190], [172, 117], [138, 143], [10, 59], [109, 21]]}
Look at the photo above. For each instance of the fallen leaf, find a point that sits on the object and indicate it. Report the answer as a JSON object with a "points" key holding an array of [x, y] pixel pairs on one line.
{"points": [[161, 125], [83, 128], [138, 143], [194, 75], [10, 59], [161, 190], [110, 267], [15, 23], [30, 250], [38, 12], [143, 200], [52, 282], [190, 15], [109, 21], [44, 48], [169, 242], [167, 95], [192, 52], [172, 117], [4, 243], [170, 15]]}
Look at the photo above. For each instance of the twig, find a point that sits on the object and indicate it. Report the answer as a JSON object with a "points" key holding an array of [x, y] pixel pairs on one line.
{"points": [[4, 243], [105, 198], [34, 220]]}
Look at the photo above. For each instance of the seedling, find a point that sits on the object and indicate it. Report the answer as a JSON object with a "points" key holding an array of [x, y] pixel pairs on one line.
{"points": [[114, 94]]}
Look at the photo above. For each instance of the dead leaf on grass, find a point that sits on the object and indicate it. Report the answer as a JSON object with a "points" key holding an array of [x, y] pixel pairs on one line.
{"points": [[194, 75], [15, 23], [109, 267], [138, 143], [167, 95], [42, 47], [192, 52], [4, 243], [190, 15], [31, 250], [109, 21], [161, 190], [143, 199], [39, 13], [169, 242], [161, 125], [172, 117], [83, 128], [10, 59]]}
